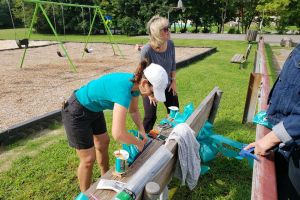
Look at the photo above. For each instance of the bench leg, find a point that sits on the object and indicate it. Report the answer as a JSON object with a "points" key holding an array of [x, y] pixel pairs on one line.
{"points": [[241, 65], [165, 194]]}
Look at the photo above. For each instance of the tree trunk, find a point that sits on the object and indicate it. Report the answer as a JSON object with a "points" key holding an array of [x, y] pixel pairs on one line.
{"points": [[219, 28], [175, 27], [185, 25], [223, 16]]}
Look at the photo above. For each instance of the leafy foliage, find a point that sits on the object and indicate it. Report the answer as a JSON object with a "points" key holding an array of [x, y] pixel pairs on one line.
{"points": [[131, 16]]}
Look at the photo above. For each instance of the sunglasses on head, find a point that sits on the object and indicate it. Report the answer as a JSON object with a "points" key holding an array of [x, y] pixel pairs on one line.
{"points": [[166, 29]]}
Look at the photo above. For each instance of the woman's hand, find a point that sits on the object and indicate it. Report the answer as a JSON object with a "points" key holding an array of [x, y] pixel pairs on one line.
{"points": [[145, 138], [152, 100], [140, 145], [263, 145], [173, 87]]}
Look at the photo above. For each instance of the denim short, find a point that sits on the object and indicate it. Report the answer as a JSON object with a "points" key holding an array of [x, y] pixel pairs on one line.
{"points": [[81, 124]]}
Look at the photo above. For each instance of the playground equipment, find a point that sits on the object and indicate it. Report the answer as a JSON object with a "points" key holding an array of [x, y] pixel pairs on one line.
{"points": [[88, 50], [97, 10], [39, 5], [20, 42], [54, 21]]}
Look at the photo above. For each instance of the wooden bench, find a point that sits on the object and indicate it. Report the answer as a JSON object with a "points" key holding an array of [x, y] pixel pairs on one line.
{"points": [[240, 58], [205, 111]]}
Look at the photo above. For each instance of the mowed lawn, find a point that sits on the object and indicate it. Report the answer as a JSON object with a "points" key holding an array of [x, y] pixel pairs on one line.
{"points": [[45, 167]]}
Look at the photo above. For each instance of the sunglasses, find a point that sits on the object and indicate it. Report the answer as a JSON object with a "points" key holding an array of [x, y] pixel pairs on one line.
{"points": [[166, 29]]}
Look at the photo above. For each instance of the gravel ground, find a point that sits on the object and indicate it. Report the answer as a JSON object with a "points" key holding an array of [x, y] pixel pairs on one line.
{"points": [[46, 79], [11, 44]]}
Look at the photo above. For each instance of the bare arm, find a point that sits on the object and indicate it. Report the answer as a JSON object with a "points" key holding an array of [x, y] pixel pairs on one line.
{"points": [[119, 131], [173, 83], [136, 116]]}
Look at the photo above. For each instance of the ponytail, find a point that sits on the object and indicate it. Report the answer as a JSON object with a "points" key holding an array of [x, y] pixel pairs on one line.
{"points": [[139, 72]]}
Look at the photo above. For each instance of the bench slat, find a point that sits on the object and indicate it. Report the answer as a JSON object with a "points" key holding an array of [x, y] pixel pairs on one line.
{"points": [[237, 58]]}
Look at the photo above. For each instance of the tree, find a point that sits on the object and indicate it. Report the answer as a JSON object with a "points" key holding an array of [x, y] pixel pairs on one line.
{"points": [[133, 15], [247, 11], [5, 21], [293, 13], [276, 8], [5, 18]]}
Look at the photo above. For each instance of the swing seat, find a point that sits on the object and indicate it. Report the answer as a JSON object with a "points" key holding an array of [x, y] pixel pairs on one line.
{"points": [[90, 50], [60, 54], [24, 42]]}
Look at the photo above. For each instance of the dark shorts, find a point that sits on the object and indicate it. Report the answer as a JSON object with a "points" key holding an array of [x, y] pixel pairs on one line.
{"points": [[81, 124]]}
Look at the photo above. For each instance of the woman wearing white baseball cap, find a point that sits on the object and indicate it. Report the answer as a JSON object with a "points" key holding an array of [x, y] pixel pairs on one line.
{"points": [[84, 121]]}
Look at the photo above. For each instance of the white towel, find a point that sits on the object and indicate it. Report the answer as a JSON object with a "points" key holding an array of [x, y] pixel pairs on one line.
{"points": [[188, 163]]}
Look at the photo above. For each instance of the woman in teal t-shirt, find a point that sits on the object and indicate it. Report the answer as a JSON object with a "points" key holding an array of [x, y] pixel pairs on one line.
{"points": [[84, 121]]}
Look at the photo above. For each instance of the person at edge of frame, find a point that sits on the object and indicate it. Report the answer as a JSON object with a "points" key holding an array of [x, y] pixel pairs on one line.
{"points": [[284, 113]]}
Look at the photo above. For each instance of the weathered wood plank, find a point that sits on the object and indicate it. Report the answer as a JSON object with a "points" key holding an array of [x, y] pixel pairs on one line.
{"points": [[237, 58], [252, 95], [195, 121]]}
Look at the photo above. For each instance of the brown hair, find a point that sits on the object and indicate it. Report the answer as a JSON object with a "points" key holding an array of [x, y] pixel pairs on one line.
{"points": [[139, 72]]}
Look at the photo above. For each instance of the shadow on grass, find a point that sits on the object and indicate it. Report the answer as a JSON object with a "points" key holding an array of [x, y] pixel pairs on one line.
{"points": [[227, 179], [230, 126]]}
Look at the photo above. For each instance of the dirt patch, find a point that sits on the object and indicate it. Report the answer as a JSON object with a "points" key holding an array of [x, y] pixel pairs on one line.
{"points": [[46, 79], [279, 57]]}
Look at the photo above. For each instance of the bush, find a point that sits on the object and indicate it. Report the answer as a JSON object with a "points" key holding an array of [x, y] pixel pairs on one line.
{"points": [[205, 30], [131, 27], [183, 30], [238, 31], [195, 31], [231, 31]]}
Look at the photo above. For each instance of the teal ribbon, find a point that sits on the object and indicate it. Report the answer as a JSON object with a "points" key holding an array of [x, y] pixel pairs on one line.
{"points": [[179, 117], [261, 118], [211, 144]]}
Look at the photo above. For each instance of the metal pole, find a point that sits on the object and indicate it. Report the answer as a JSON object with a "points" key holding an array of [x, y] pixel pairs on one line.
{"points": [[107, 29], [91, 27], [56, 36], [110, 35], [59, 4], [29, 34]]}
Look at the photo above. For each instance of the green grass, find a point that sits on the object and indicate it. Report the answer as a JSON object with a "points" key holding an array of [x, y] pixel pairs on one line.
{"points": [[51, 173], [8, 34], [271, 70]]}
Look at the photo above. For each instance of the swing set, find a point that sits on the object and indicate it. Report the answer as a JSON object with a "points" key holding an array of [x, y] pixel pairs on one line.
{"points": [[39, 6], [20, 42]]}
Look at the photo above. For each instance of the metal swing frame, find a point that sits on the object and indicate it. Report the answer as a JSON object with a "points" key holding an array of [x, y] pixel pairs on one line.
{"points": [[97, 10], [20, 42]]}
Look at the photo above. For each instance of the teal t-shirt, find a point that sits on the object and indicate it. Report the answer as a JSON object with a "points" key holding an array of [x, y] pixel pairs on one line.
{"points": [[102, 93]]}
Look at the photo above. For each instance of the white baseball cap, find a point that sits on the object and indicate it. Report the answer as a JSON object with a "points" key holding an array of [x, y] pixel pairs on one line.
{"points": [[158, 77]]}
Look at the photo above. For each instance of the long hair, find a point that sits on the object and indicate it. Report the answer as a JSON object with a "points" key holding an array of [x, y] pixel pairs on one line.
{"points": [[139, 72], [154, 26]]}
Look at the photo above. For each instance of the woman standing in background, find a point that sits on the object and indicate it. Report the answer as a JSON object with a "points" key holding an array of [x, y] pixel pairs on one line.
{"points": [[160, 50]]}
